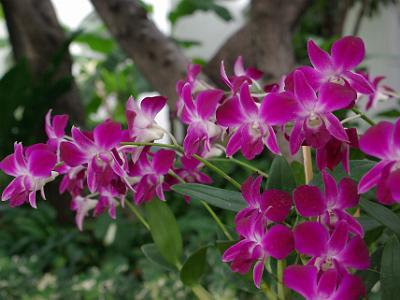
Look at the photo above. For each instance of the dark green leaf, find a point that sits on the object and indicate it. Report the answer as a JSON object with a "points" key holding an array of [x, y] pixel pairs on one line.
{"points": [[226, 199], [223, 245], [153, 255], [371, 276], [164, 230], [194, 267], [382, 214], [280, 175], [390, 269]]}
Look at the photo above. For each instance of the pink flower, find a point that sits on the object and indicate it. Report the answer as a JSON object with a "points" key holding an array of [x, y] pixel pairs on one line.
{"points": [[336, 251], [199, 115], [55, 130], [192, 72], [346, 54], [251, 132], [329, 285], [82, 205], [336, 151], [331, 206], [32, 169], [142, 126], [272, 205], [383, 141], [256, 246], [73, 181], [148, 175], [311, 113], [97, 150], [241, 76]]}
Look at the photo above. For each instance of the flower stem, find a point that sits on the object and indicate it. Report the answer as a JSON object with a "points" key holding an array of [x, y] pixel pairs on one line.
{"points": [[363, 116], [133, 208], [308, 171], [268, 292], [243, 164], [201, 293], [281, 288]]}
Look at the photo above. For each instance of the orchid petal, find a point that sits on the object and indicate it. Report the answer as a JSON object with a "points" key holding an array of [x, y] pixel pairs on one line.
{"points": [[348, 52], [309, 201], [278, 241], [311, 238]]}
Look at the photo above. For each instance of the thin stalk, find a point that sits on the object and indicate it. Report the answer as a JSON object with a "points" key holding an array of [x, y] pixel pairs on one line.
{"points": [[281, 288], [201, 293], [268, 292], [363, 116], [308, 171], [138, 214], [243, 164], [355, 117]]}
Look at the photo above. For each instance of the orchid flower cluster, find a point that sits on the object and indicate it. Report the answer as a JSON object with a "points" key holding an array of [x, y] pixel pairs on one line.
{"points": [[100, 168]]}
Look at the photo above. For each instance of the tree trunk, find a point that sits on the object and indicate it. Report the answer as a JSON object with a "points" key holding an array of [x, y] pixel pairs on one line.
{"points": [[158, 58]]}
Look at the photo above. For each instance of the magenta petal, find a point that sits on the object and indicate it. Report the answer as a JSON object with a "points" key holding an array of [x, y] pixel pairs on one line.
{"points": [[81, 140], [396, 134], [303, 91], [92, 181], [348, 52], [107, 135], [272, 142], [309, 201], [338, 238], [276, 204], [248, 104], [355, 255], [234, 143], [207, 101], [318, 57], [311, 238], [335, 127], [371, 178], [393, 183], [251, 191], [15, 187], [327, 283], [278, 241], [333, 96], [377, 140], [314, 77], [41, 163], [163, 161], [151, 106], [8, 166], [258, 272], [252, 145], [296, 137], [277, 109], [358, 82], [331, 190], [348, 194], [71, 155], [302, 279], [230, 114], [32, 199], [187, 97], [351, 287]]}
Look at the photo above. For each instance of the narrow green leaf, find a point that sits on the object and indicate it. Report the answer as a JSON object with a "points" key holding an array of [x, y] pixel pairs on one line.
{"points": [[280, 175], [382, 214], [226, 199], [153, 255], [390, 269], [194, 267], [164, 230]]}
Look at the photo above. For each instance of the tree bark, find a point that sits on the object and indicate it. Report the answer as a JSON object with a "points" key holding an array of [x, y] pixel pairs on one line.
{"points": [[265, 41], [36, 35], [158, 58]]}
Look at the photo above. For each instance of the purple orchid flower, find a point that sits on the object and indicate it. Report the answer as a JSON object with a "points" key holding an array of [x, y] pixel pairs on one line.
{"points": [[336, 151], [308, 282], [241, 76], [312, 114], [346, 54], [32, 169], [82, 205], [55, 130], [257, 245], [148, 176], [192, 72], [251, 132], [383, 141], [272, 205], [198, 115], [335, 251], [330, 208], [97, 150], [73, 181]]}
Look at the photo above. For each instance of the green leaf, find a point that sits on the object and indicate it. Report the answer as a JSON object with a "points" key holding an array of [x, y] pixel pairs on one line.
{"points": [[164, 230], [223, 245], [153, 255], [357, 170], [280, 175], [390, 269], [194, 267], [382, 214], [226, 199]]}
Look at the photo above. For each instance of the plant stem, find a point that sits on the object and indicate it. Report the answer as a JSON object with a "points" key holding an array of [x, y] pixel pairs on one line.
{"points": [[201, 293], [281, 288], [308, 171], [363, 116], [268, 292], [217, 220], [133, 208], [243, 164]]}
